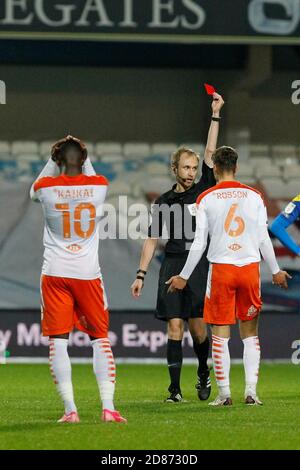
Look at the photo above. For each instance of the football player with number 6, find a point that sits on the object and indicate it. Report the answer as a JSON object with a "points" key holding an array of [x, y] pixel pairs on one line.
{"points": [[235, 218]]}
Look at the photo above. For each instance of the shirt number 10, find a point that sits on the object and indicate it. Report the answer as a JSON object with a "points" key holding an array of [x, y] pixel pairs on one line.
{"points": [[65, 208]]}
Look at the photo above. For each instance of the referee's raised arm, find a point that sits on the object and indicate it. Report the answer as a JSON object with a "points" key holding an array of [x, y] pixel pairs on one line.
{"points": [[213, 132], [174, 219]]}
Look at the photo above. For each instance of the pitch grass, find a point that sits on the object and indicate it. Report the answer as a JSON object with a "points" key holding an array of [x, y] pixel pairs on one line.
{"points": [[29, 407]]}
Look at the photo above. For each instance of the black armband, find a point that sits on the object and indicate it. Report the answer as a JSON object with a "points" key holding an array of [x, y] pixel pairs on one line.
{"points": [[141, 271]]}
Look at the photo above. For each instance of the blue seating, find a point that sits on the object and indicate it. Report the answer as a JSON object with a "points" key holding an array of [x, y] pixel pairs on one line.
{"points": [[36, 167], [8, 168], [132, 165], [105, 169], [158, 158]]}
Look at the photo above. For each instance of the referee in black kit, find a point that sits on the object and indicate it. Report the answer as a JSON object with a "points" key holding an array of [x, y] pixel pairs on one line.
{"points": [[173, 211]]}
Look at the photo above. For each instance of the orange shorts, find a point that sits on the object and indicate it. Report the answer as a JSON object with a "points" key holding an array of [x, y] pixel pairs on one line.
{"points": [[232, 293], [67, 303]]}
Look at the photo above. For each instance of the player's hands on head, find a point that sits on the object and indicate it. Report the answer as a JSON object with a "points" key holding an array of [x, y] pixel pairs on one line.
{"points": [[55, 150], [176, 283], [217, 103], [280, 279], [136, 288]]}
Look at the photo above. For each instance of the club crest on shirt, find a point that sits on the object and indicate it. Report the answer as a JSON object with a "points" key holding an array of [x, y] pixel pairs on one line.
{"points": [[289, 209]]}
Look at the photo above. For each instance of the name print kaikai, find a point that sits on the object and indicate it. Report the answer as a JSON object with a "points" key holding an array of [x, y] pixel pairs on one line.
{"points": [[74, 193]]}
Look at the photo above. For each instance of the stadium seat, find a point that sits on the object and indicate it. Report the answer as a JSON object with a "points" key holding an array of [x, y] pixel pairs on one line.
{"points": [[4, 148], [283, 162], [36, 168], [259, 151], [267, 171], [102, 148], [112, 158], [8, 169], [247, 180], [158, 185], [157, 169], [105, 169], [291, 172], [6, 156], [261, 161], [132, 165], [275, 188], [136, 149], [28, 157], [93, 157], [119, 188], [292, 189], [22, 147], [163, 148], [165, 159], [45, 149], [245, 169], [24, 165], [90, 147], [284, 151], [196, 146]]}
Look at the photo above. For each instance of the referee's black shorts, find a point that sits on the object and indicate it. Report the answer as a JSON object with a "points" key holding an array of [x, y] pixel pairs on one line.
{"points": [[186, 303]]}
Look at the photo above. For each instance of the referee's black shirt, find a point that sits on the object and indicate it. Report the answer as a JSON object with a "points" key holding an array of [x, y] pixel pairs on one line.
{"points": [[173, 214]]}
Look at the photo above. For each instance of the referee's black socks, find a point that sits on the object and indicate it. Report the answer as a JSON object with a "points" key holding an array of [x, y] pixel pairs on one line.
{"points": [[174, 357], [201, 351]]}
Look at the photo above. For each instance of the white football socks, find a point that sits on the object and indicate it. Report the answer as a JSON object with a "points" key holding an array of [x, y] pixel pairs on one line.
{"points": [[105, 371], [221, 363], [60, 368], [251, 360]]}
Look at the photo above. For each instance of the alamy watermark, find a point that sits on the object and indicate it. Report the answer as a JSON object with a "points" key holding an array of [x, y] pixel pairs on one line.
{"points": [[296, 94], [2, 352], [2, 92], [296, 354]]}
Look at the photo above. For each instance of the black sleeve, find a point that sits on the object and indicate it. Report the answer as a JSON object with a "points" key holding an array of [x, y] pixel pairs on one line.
{"points": [[155, 227], [207, 179]]}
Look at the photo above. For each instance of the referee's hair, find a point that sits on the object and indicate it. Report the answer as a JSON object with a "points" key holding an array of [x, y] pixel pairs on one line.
{"points": [[225, 158], [180, 151]]}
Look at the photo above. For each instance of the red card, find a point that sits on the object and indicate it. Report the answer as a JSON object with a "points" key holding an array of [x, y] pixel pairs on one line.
{"points": [[210, 90]]}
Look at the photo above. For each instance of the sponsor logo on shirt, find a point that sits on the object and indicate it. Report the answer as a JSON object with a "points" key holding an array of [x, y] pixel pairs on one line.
{"points": [[289, 209], [192, 209], [234, 247], [74, 248]]}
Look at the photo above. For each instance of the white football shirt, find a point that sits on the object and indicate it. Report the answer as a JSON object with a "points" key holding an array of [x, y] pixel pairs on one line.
{"points": [[232, 213], [72, 207], [235, 218]]}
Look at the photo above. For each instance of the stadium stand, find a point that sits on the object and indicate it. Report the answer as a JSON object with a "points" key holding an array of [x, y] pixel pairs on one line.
{"points": [[141, 172]]}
